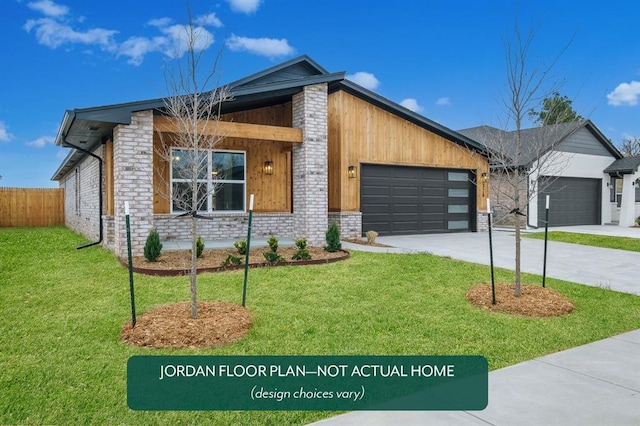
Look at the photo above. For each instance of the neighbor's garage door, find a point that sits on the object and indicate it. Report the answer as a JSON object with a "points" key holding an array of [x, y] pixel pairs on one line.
{"points": [[397, 200], [573, 201]]}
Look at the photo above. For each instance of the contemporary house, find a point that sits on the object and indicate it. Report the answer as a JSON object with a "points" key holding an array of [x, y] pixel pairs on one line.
{"points": [[585, 176], [311, 145]]}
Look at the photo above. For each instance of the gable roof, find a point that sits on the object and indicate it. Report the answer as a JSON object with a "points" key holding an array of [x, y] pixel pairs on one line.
{"points": [[535, 141], [86, 128]]}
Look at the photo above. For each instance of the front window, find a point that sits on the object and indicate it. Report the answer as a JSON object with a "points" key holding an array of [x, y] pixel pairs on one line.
{"points": [[219, 177]]}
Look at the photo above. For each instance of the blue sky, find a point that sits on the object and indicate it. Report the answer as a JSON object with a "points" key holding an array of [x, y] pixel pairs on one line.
{"points": [[444, 59]]}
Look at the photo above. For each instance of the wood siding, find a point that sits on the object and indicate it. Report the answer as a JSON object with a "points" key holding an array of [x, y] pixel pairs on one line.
{"points": [[272, 192], [31, 207], [360, 132]]}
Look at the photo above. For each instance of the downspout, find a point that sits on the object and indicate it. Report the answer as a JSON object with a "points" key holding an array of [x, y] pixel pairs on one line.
{"points": [[67, 144]]}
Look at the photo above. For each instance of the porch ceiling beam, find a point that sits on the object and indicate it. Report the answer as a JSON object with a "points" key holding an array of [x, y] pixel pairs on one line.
{"points": [[231, 129]]}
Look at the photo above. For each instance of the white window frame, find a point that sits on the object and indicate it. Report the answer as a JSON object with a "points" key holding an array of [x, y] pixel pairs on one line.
{"points": [[211, 182]]}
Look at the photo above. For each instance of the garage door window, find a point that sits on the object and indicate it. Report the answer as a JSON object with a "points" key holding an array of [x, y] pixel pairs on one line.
{"points": [[456, 192], [458, 208], [458, 224], [458, 177]]}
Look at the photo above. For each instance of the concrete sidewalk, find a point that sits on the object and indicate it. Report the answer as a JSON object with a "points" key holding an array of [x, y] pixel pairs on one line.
{"points": [[594, 384]]}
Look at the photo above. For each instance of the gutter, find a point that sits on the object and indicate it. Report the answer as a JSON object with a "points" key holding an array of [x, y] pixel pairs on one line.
{"points": [[65, 143]]}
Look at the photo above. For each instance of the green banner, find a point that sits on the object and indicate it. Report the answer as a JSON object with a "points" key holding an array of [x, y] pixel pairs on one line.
{"points": [[334, 383]]}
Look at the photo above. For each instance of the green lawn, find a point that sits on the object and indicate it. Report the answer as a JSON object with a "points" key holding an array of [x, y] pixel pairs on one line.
{"points": [[61, 360], [605, 241]]}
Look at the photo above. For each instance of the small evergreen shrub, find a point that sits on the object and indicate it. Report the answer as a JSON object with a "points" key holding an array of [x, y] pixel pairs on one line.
{"points": [[302, 253], [153, 246], [638, 220], [232, 260], [273, 243], [273, 256], [199, 246], [241, 246], [333, 238]]}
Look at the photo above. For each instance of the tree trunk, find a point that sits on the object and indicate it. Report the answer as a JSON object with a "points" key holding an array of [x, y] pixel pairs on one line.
{"points": [[518, 240], [194, 268]]}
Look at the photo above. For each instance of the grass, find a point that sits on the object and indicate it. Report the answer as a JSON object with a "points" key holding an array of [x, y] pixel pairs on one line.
{"points": [[61, 360], [605, 241]]}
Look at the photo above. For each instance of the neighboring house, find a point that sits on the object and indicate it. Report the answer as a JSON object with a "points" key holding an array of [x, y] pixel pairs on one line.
{"points": [[312, 146], [573, 163]]}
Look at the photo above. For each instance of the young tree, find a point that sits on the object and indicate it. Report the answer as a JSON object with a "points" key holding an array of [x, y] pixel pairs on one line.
{"points": [[630, 146], [519, 157], [555, 109], [193, 111]]}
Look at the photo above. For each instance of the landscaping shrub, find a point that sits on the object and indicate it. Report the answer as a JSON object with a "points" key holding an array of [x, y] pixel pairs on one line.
{"points": [[273, 256], [232, 260], [638, 220], [371, 237], [241, 246], [333, 238], [302, 253], [153, 246], [199, 246]]}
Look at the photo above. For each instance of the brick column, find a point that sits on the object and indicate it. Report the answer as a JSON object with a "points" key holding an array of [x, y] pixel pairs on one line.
{"points": [[310, 175], [133, 181]]}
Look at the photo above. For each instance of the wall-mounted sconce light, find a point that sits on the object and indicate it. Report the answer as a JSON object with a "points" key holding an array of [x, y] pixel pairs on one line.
{"points": [[268, 167], [352, 171]]}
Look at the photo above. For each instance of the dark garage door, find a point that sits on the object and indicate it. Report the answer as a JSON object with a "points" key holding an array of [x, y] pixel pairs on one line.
{"points": [[398, 200], [572, 201]]}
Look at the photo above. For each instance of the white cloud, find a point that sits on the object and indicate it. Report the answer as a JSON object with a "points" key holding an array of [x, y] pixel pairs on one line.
{"points": [[210, 20], [49, 8], [625, 94], [173, 43], [412, 104], [244, 6], [54, 34], [160, 22], [444, 101], [41, 141], [364, 79], [5, 136], [269, 47]]}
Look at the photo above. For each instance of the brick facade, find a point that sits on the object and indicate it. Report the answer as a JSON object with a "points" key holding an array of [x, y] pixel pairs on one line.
{"points": [[226, 226], [350, 223], [81, 201], [310, 168], [133, 181]]}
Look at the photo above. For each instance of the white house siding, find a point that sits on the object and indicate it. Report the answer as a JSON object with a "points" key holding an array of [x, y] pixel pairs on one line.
{"points": [[81, 201], [566, 164]]}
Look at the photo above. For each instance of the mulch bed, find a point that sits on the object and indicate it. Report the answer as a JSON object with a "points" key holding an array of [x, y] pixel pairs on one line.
{"points": [[363, 242], [534, 301], [179, 262], [171, 326]]}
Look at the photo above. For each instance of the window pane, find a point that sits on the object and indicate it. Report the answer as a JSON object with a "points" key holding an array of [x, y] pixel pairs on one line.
{"points": [[182, 196], [229, 196], [458, 224], [458, 193], [458, 208], [228, 166], [458, 176], [183, 162]]}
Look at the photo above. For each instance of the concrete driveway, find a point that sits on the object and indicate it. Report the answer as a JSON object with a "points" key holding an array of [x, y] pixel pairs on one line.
{"points": [[612, 269]]}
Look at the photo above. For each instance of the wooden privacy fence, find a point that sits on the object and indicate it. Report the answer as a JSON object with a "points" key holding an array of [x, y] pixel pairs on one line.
{"points": [[31, 207]]}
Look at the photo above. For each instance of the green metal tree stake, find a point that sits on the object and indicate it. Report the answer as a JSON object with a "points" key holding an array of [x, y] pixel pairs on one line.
{"points": [[546, 234], [246, 259], [493, 280], [130, 258]]}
